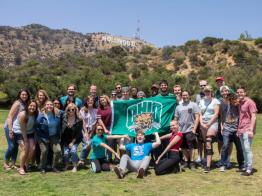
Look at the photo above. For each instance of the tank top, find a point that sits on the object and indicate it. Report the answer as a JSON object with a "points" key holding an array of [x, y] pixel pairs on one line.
{"points": [[21, 108], [29, 126]]}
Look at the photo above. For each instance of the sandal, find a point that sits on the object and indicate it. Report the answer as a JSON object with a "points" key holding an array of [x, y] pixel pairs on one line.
{"points": [[14, 167], [7, 167], [21, 172]]}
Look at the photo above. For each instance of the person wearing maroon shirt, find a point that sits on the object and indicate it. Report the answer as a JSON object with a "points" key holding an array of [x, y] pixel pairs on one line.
{"points": [[104, 115], [104, 111], [171, 162], [247, 127]]}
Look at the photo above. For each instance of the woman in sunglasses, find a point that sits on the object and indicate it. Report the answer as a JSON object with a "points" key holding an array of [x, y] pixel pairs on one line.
{"points": [[99, 161], [209, 107], [48, 132], [72, 126]]}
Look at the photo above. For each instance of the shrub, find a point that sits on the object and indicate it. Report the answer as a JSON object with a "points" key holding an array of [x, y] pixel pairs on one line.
{"points": [[210, 41]]}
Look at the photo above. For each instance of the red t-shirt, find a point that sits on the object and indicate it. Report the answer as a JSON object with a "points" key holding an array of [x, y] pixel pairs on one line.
{"points": [[106, 116], [178, 144]]}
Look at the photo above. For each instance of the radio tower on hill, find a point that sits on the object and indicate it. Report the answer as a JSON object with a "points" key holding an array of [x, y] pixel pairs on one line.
{"points": [[137, 36]]}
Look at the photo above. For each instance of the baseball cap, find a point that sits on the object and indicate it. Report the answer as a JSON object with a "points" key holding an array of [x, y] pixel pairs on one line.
{"points": [[220, 78], [155, 86]]}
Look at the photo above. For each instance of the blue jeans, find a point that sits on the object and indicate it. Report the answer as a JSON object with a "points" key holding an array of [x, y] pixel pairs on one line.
{"points": [[84, 152], [246, 143], [71, 152], [12, 147], [227, 137]]}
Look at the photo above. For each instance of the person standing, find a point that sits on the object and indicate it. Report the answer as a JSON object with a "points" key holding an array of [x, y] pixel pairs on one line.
{"points": [[19, 105], [177, 90], [209, 107], [72, 126], [93, 93], [163, 87], [187, 114], [154, 89], [200, 144], [247, 127], [229, 122], [71, 97], [48, 132]]}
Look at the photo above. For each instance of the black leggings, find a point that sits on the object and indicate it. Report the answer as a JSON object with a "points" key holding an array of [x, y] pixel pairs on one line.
{"points": [[99, 165], [167, 165]]}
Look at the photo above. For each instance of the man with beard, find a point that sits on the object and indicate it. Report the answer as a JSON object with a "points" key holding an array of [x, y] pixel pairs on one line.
{"points": [[71, 97]]}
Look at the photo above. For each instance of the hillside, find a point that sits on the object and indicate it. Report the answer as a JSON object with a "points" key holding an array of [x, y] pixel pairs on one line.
{"points": [[36, 41], [36, 57]]}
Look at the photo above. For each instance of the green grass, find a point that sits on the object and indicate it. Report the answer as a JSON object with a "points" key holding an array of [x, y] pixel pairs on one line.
{"points": [[85, 182]]}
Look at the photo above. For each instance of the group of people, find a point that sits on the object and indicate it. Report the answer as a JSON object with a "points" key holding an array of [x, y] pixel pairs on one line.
{"points": [[49, 132]]}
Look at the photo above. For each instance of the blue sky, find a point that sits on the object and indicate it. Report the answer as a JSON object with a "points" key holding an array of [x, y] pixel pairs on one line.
{"points": [[166, 22]]}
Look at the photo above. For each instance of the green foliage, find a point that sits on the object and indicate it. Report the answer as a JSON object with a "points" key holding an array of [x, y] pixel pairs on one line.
{"points": [[167, 52], [210, 41], [192, 43], [258, 41], [146, 50]]}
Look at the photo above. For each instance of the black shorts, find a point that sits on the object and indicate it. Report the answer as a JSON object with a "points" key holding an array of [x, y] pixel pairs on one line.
{"points": [[31, 135], [189, 141]]}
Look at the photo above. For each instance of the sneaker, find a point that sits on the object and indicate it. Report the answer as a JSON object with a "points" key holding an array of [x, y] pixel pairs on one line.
{"points": [[185, 165], [74, 169], [141, 173], [206, 169], [118, 172], [192, 166], [222, 169], [246, 173], [199, 160], [241, 169], [42, 171], [55, 170]]}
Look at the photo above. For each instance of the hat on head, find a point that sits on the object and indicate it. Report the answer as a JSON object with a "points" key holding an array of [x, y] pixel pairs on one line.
{"points": [[219, 78], [156, 86], [223, 87]]}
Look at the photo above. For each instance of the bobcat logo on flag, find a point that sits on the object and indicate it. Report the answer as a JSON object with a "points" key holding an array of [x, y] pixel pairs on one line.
{"points": [[145, 116]]}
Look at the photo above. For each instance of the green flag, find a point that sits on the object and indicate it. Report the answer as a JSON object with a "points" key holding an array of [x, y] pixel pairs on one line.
{"points": [[148, 114]]}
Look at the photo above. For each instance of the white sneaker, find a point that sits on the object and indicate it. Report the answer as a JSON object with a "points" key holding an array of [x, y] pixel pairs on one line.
{"points": [[199, 160], [222, 168], [74, 170]]}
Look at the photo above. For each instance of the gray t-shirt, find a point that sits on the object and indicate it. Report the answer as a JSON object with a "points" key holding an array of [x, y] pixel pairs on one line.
{"points": [[230, 116], [185, 114]]}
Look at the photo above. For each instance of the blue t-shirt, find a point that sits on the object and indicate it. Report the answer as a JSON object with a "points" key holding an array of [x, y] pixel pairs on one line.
{"points": [[139, 151], [52, 124], [98, 151]]}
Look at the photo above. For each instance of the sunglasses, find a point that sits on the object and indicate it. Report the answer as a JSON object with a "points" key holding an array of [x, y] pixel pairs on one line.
{"points": [[100, 129], [71, 110], [118, 87], [203, 85]]}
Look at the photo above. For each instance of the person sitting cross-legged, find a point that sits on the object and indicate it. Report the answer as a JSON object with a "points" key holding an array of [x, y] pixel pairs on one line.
{"points": [[140, 158]]}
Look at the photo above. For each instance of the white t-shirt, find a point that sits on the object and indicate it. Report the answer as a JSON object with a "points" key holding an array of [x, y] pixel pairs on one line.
{"points": [[207, 108]]}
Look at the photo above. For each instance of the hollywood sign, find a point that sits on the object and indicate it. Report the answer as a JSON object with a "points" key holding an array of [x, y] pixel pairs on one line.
{"points": [[120, 41]]}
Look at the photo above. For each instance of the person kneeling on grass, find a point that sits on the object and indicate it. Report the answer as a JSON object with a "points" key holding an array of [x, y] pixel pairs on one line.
{"points": [[169, 163], [99, 161], [139, 160]]}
